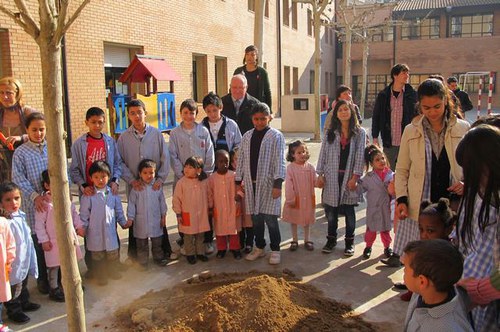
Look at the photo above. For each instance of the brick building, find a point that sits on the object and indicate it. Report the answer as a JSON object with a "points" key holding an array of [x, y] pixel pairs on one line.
{"points": [[447, 37], [203, 41]]}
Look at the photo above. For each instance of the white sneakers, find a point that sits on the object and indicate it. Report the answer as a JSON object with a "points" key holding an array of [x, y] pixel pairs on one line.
{"points": [[274, 258], [256, 253], [209, 248]]}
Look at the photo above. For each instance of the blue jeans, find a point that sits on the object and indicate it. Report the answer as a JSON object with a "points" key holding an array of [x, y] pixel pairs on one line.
{"points": [[332, 215], [259, 221]]}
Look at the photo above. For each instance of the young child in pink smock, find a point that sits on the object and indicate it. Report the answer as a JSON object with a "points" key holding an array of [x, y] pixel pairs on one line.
{"points": [[7, 256], [190, 203], [300, 200], [45, 229], [222, 190]]}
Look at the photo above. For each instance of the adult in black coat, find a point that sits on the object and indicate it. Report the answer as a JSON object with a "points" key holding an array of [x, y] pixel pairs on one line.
{"points": [[238, 93], [463, 97], [381, 121]]}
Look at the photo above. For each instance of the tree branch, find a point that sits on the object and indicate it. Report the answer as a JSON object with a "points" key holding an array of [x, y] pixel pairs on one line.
{"points": [[24, 19], [74, 17], [61, 19]]}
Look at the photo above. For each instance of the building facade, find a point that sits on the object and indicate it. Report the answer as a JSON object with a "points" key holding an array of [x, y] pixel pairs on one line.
{"points": [[203, 41], [448, 37]]}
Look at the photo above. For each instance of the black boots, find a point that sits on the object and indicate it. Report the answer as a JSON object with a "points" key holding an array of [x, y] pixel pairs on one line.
{"points": [[349, 246]]}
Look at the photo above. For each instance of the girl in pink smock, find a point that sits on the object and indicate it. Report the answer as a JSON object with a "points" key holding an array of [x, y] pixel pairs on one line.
{"points": [[300, 200], [190, 203], [223, 192], [7, 256], [46, 233]]}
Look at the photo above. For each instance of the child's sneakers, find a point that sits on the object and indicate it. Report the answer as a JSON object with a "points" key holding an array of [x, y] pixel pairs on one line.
{"points": [[275, 258], [256, 253], [388, 252], [5, 328], [330, 244], [367, 252], [55, 294], [209, 248], [236, 254]]}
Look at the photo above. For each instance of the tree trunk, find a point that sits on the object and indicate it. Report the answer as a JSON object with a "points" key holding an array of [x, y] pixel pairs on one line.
{"points": [[366, 53], [347, 64], [317, 72], [52, 104], [258, 28]]}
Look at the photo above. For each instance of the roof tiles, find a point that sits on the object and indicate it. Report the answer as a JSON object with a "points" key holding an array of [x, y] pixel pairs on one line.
{"points": [[408, 5]]}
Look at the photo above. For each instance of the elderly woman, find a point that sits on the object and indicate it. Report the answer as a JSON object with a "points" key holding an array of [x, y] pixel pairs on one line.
{"points": [[13, 112], [426, 168]]}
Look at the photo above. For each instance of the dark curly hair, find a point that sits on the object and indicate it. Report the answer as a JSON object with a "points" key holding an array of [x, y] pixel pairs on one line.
{"points": [[292, 147], [441, 210]]}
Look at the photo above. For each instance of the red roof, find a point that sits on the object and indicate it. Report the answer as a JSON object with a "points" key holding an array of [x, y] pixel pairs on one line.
{"points": [[142, 67]]}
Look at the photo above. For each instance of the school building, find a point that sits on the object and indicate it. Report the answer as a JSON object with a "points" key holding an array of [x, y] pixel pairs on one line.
{"points": [[203, 42], [447, 37]]}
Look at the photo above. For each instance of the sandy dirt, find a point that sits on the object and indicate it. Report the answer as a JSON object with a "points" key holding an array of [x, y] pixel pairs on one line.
{"points": [[238, 302]]}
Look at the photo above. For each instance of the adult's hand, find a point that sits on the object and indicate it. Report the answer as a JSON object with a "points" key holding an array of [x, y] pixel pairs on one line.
{"points": [[137, 185], [40, 204], [375, 141], [457, 188], [276, 193]]}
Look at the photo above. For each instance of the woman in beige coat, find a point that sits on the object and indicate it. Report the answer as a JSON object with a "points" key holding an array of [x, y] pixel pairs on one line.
{"points": [[426, 167]]}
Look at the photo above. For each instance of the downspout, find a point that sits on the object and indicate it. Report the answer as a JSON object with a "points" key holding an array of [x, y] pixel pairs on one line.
{"points": [[67, 118], [278, 41]]}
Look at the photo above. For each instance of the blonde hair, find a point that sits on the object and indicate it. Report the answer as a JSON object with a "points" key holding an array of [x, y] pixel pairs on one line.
{"points": [[13, 82]]}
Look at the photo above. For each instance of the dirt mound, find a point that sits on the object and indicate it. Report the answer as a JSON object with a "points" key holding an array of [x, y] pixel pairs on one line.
{"points": [[238, 303]]}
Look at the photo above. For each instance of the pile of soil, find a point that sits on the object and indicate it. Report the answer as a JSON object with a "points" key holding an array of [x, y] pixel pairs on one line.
{"points": [[238, 302]]}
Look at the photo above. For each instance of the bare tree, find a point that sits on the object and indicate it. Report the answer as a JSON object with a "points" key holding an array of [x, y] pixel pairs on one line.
{"points": [[54, 21], [318, 9]]}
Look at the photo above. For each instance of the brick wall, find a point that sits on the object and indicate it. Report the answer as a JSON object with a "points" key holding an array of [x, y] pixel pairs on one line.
{"points": [[174, 30]]}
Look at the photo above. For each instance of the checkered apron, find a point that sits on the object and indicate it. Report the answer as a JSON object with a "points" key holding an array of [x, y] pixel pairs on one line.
{"points": [[407, 229]]}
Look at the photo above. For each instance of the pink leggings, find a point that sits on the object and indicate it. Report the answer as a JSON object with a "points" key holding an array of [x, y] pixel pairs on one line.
{"points": [[370, 237]]}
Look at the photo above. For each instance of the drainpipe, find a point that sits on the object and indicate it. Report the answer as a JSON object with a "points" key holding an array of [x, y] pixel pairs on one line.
{"points": [[67, 118], [278, 48]]}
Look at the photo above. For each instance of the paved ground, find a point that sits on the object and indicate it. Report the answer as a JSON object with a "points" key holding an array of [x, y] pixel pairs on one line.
{"points": [[365, 284]]}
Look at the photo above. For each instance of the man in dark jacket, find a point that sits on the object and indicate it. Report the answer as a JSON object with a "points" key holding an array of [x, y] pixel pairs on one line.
{"points": [[394, 110], [237, 105], [463, 97]]}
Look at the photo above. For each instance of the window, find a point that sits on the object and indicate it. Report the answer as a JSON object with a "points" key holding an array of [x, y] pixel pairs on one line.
{"points": [[472, 26], [221, 86], [200, 78], [286, 12], [311, 81], [416, 79], [327, 83], [295, 80], [420, 29], [266, 9], [376, 83], [332, 83], [294, 15], [310, 23], [251, 5], [286, 80]]}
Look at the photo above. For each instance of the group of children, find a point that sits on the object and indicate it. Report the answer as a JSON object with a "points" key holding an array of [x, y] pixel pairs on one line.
{"points": [[221, 181]]}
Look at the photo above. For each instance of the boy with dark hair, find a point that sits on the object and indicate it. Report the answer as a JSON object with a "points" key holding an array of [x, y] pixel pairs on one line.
{"points": [[142, 141], [224, 131], [394, 109], [99, 214], [432, 267], [261, 166], [463, 97], [88, 148]]}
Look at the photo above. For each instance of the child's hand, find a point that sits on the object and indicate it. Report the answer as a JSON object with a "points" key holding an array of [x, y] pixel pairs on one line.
{"points": [[128, 224], [137, 185], [291, 205], [391, 188], [276, 193], [89, 191], [163, 221], [352, 184], [114, 188], [402, 211], [81, 231], [40, 204], [47, 246], [320, 183], [157, 185]]}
